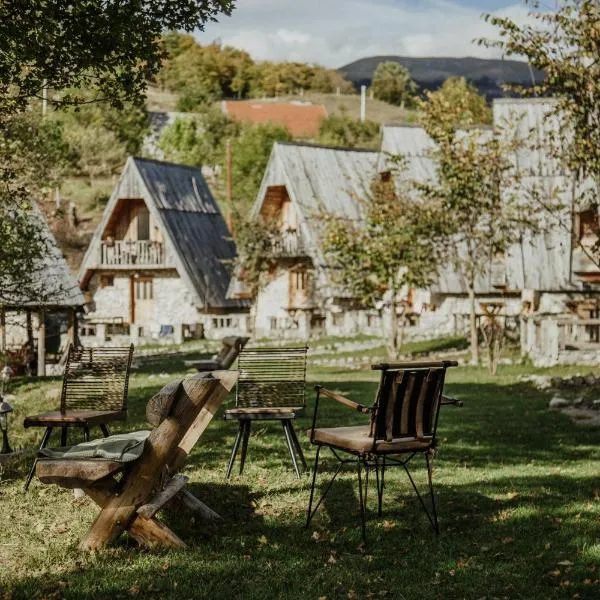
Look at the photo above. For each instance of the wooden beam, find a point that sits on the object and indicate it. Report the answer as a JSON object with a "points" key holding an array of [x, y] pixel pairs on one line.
{"points": [[41, 361], [72, 334], [173, 487], [131, 300], [2, 330]]}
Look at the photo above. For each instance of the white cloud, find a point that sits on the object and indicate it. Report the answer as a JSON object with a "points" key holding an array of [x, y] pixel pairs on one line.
{"points": [[336, 32]]}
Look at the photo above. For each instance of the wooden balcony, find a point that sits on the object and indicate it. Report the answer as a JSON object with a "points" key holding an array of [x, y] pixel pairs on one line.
{"points": [[126, 254], [289, 244]]}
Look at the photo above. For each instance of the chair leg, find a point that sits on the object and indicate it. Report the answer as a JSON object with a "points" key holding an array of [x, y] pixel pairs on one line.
{"points": [[247, 425], [64, 431], [86, 433], [429, 460], [379, 484], [45, 439], [309, 515], [297, 445], [290, 445], [105, 430], [236, 445], [432, 519], [362, 501]]}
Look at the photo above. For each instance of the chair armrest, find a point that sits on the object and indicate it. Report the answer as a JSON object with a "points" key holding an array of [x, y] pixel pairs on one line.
{"points": [[337, 397], [361, 408], [454, 401]]}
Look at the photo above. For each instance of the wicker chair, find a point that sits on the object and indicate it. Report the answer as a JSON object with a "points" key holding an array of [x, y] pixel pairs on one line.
{"points": [[271, 386], [403, 423], [94, 392]]}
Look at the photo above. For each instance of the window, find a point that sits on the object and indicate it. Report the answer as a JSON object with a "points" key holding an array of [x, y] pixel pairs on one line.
{"points": [[273, 323], [587, 223], [372, 320], [140, 332], [337, 319], [300, 280], [143, 224], [144, 289], [117, 329], [107, 281], [222, 322]]}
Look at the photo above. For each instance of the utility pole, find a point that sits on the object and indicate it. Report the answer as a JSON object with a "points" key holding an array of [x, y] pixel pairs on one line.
{"points": [[363, 103]]}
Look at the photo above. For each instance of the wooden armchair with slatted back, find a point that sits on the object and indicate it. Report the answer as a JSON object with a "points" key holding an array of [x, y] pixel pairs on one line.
{"points": [[270, 387], [94, 393], [403, 423]]}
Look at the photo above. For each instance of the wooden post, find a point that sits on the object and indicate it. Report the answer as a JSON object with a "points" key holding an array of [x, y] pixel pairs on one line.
{"points": [[41, 361], [73, 337], [2, 330], [131, 300]]}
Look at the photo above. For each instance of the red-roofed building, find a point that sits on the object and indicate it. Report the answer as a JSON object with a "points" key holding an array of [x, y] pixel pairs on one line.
{"points": [[302, 120]]}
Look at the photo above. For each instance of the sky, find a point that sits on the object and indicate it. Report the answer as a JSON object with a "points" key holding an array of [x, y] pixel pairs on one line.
{"points": [[335, 32]]}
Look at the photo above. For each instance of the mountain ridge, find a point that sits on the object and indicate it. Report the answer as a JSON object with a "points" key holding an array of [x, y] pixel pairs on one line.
{"points": [[486, 74]]}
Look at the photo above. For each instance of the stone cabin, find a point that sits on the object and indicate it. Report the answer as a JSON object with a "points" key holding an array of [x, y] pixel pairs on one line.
{"points": [[546, 284], [301, 183], [157, 268]]}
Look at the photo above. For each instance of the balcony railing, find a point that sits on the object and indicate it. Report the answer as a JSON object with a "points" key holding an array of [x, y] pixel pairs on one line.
{"points": [[289, 244], [127, 253]]}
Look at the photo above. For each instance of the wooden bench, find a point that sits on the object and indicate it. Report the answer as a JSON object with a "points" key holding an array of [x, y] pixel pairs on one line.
{"points": [[231, 347], [131, 493]]}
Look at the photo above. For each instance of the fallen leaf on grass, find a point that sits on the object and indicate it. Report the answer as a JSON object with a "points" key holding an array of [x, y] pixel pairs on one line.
{"points": [[508, 540], [332, 560], [565, 563], [262, 540]]}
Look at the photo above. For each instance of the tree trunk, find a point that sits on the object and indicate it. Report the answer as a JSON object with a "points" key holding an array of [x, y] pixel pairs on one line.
{"points": [[473, 327], [395, 334]]}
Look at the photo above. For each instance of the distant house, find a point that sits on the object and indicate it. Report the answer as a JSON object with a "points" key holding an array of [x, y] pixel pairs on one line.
{"points": [[40, 318], [301, 183], [157, 268], [301, 119], [547, 285]]}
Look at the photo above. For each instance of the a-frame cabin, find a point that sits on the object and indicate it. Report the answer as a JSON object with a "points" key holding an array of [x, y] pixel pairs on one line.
{"points": [[157, 268]]}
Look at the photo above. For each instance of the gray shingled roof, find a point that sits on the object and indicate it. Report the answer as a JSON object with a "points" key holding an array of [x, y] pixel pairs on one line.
{"points": [[192, 223], [53, 285]]}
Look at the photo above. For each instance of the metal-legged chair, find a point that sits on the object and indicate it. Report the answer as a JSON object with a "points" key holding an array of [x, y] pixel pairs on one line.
{"points": [[403, 424]]}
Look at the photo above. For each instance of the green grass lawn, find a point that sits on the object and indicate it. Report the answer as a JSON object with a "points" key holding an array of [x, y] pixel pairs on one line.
{"points": [[518, 495]]}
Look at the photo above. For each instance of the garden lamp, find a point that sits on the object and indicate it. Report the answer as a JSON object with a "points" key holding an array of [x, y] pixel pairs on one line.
{"points": [[5, 409]]}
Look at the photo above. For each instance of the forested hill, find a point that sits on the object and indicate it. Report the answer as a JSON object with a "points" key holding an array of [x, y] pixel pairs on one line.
{"points": [[429, 73]]}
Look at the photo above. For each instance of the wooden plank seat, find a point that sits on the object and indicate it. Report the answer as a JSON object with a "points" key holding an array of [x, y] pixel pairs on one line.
{"points": [[230, 349], [403, 423], [131, 493], [271, 387], [94, 393], [73, 418]]}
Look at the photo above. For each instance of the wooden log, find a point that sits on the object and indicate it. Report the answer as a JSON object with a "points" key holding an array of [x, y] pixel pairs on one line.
{"points": [[147, 532], [119, 511], [75, 473], [173, 487], [160, 404], [189, 501], [227, 380]]}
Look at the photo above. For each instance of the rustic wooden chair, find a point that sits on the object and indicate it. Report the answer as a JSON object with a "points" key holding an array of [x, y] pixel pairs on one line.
{"points": [[131, 493], [230, 349], [403, 423], [271, 386], [94, 392]]}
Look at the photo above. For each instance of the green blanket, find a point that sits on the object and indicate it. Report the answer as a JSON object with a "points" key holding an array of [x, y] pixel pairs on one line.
{"points": [[122, 447]]}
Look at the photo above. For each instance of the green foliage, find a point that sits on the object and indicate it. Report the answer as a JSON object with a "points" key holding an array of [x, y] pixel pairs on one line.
{"points": [[251, 151], [81, 51], [256, 242], [202, 74], [392, 83], [455, 105], [391, 250], [199, 139], [476, 190], [564, 43], [344, 131]]}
